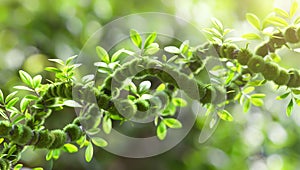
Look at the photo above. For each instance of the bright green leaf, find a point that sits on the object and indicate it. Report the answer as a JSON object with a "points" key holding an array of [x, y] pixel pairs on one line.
{"points": [[281, 12], [172, 123], [3, 115], [246, 105], [293, 8], [70, 59], [49, 155], [53, 69], [23, 88], [18, 167], [37, 81], [258, 95], [136, 38], [161, 131], [150, 39], [248, 90], [99, 142], [102, 54], [26, 78], [253, 20], [184, 46], [38, 168], [289, 108], [257, 102], [161, 87], [277, 21], [89, 152], [70, 148], [251, 36], [179, 102], [225, 115], [12, 102]]}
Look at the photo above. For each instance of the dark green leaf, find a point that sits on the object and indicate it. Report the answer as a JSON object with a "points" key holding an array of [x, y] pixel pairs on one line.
{"points": [[285, 95], [161, 131], [136, 38]]}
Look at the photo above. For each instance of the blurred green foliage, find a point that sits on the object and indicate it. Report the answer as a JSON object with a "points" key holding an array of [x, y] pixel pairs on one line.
{"points": [[31, 31]]}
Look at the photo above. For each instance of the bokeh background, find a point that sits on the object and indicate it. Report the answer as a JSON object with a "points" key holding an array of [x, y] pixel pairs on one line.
{"points": [[32, 31]]}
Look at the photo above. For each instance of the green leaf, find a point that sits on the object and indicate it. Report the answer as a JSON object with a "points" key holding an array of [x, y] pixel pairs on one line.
{"points": [[71, 103], [296, 91], [248, 90], [184, 46], [99, 142], [281, 12], [285, 95], [37, 81], [10, 96], [246, 105], [179, 102], [49, 155], [150, 39], [277, 21], [26, 78], [172, 49], [58, 61], [31, 97], [258, 95], [23, 88], [152, 49], [38, 168], [70, 59], [172, 123], [161, 87], [93, 131], [53, 69], [225, 115], [3, 115], [253, 20], [217, 24], [12, 102], [297, 20], [136, 38], [107, 124], [102, 54], [257, 102], [161, 131], [70, 148], [251, 36], [293, 8], [18, 166], [1, 97], [117, 54], [89, 152], [289, 108]]}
